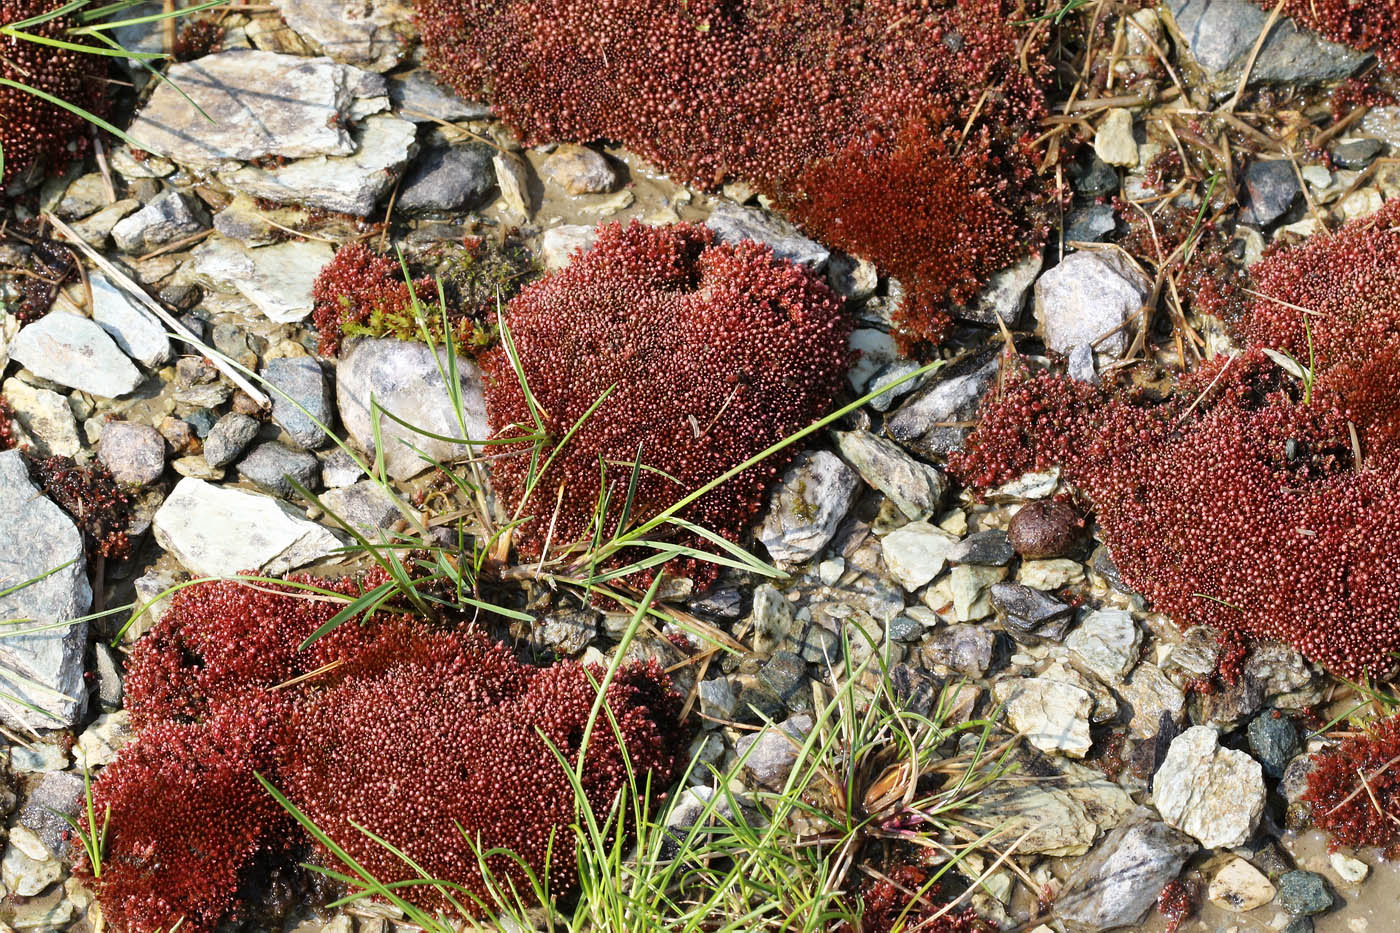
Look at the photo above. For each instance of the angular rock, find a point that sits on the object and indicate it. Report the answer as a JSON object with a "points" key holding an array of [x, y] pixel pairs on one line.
{"points": [[405, 379], [558, 245], [771, 618], [140, 334], [274, 466], [1053, 716], [1216, 794], [371, 35], [968, 584], [1029, 616], [916, 553], [75, 352], [1238, 886], [774, 750], [45, 416], [1303, 893], [43, 669], [1150, 694], [94, 230], [1221, 35], [963, 650], [1273, 186], [300, 399], [229, 437], [1004, 296], [216, 531], [567, 633], [59, 793], [1273, 740], [1090, 224], [928, 423], [733, 223], [277, 279], [1062, 812], [349, 184], [984, 548], [805, 507], [135, 453], [1106, 643], [417, 96], [164, 219], [1089, 296], [1117, 886], [513, 179], [28, 867], [364, 506], [917, 489], [448, 178], [338, 469]]}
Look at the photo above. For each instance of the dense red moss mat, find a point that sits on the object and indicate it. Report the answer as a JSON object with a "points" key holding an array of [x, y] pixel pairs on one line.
{"points": [[33, 130], [1368, 25], [1354, 789], [1245, 500], [415, 733], [895, 130], [712, 353]]}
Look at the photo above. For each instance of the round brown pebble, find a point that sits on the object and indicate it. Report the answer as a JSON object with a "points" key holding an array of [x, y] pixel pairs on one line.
{"points": [[1046, 528]]}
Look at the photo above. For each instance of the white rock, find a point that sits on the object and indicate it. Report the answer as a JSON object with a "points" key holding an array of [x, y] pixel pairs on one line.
{"points": [[513, 179], [805, 507], [916, 553], [371, 35], [75, 352], [258, 104], [405, 379], [100, 742], [139, 333], [1114, 141], [1053, 715], [220, 530], [1239, 886], [351, 184], [164, 219], [36, 537], [28, 868], [1106, 642], [559, 244], [1215, 794], [1091, 294], [969, 583], [45, 416], [1350, 870], [1050, 574], [277, 279]]}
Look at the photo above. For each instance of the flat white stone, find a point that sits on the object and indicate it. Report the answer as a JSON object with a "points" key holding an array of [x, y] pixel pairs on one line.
{"points": [[75, 352], [139, 333], [276, 279]]}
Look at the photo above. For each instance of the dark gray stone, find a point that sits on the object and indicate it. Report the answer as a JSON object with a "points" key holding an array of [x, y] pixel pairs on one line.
{"points": [[1356, 154], [962, 649], [1028, 615], [1096, 179], [228, 438], [59, 793], [914, 688], [1274, 741], [364, 506], [1273, 187], [917, 489], [733, 223], [568, 633], [984, 548], [109, 681], [774, 750], [448, 178], [300, 398], [725, 602], [418, 97], [1091, 224], [924, 424], [1303, 893], [1117, 885], [164, 220], [271, 463], [786, 675]]}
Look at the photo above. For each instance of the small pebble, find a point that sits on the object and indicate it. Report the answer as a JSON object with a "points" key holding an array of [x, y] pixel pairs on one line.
{"points": [[1303, 893], [1350, 870]]}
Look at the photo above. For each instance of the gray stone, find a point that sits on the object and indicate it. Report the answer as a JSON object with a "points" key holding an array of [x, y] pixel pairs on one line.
{"points": [[1095, 179], [277, 279], [559, 244], [1090, 224], [339, 469], [259, 104], [773, 751], [163, 220], [1004, 296], [718, 699], [1117, 886], [1356, 154], [139, 333], [786, 675], [1090, 298], [448, 178], [135, 453], [75, 352], [1061, 812], [364, 506], [916, 553], [1028, 615], [94, 230], [349, 184], [733, 223], [917, 489], [928, 424], [300, 399], [86, 195], [216, 531], [98, 745], [45, 416], [1216, 794], [43, 669], [1106, 643], [1221, 35], [985, 548], [28, 867], [109, 677], [1053, 715], [405, 379], [1273, 186], [273, 466], [59, 793], [568, 632], [229, 437], [579, 170], [1273, 739], [1303, 893], [1149, 694], [810, 500], [371, 34], [964, 650], [417, 96], [771, 618]]}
